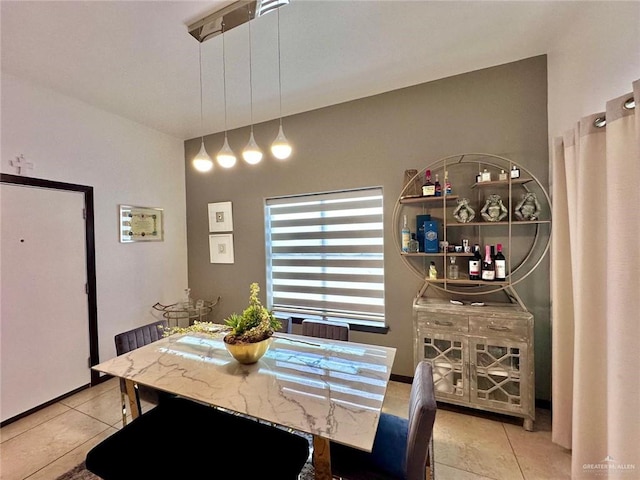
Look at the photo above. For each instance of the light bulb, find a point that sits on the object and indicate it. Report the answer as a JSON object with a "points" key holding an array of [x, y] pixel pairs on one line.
{"points": [[252, 153], [280, 147], [202, 161], [226, 158]]}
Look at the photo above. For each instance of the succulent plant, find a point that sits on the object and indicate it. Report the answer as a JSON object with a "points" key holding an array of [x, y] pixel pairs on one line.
{"points": [[255, 324]]}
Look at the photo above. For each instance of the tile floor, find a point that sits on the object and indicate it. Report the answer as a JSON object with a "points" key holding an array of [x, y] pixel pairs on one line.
{"points": [[468, 445]]}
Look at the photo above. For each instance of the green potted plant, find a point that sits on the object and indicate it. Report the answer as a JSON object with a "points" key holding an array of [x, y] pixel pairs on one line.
{"points": [[251, 332], [248, 335]]}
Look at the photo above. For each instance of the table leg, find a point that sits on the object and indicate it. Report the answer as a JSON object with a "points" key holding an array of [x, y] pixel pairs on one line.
{"points": [[321, 458], [133, 398]]}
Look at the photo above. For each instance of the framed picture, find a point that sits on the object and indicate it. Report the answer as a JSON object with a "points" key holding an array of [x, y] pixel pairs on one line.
{"points": [[220, 217], [221, 248], [141, 224]]}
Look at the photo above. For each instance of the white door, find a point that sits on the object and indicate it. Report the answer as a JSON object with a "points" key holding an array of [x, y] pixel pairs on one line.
{"points": [[44, 324]]}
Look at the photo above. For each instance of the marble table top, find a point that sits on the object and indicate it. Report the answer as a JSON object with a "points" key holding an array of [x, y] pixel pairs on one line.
{"points": [[327, 388]]}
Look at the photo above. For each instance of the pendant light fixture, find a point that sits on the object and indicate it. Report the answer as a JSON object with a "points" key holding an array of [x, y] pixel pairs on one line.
{"points": [[251, 153], [202, 161], [280, 148], [226, 158]]}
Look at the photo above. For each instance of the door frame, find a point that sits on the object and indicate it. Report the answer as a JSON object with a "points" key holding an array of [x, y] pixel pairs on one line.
{"points": [[90, 246]]}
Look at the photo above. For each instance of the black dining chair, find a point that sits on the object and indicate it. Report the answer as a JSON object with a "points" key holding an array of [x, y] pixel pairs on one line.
{"points": [[128, 341], [403, 448], [326, 329], [285, 324], [182, 439]]}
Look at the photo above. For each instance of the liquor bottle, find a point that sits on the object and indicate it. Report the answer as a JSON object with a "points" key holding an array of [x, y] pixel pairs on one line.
{"points": [[475, 264], [500, 264], [428, 187], [488, 267], [485, 176], [447, 184], [452, 269], [502, 176], [438, 187], [479, 177], [433, 273], [515, 172], [406, 235], [413, 244]]}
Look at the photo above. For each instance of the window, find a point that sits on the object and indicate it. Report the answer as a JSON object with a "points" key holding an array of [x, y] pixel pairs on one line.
{"points": [[325, 256]]}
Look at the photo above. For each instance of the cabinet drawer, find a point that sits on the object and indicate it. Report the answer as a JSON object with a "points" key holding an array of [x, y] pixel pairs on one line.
{"points": [[443, 321], [499, 327]]}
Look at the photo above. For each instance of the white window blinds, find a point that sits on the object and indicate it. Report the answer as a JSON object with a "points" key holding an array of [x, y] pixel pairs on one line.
{"points": [[325, 255]]}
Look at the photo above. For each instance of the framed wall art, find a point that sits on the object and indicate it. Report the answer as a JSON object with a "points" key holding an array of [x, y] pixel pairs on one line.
{"points": [[220, 217], [221, 248], [141, 224]]}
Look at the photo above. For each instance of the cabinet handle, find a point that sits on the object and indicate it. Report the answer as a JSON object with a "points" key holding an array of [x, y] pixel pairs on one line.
{"points": [[443, 323], [474, 374], [466, 370], [498, 328]]}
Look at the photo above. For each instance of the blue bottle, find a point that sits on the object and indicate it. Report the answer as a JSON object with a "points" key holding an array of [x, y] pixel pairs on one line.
{"points": [[420, 219], [431, 236]]}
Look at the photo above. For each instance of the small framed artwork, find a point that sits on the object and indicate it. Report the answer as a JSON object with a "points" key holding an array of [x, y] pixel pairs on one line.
{"points": [[221, 248], [141, 224], [220, 217]]}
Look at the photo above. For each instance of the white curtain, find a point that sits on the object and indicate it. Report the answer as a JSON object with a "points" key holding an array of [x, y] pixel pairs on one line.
{"points": [[596, 293]]}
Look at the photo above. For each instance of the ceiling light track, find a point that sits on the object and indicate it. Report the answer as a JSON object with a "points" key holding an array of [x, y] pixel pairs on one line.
{"points": [[232, 16]]}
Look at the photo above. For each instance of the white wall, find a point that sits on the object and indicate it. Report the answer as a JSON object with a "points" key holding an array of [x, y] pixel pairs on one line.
{"points": [[595, 60], [125, 163]]}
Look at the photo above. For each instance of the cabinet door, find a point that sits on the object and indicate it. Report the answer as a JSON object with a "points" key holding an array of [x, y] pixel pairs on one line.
{"points": [[447, 355], [498, 374]]}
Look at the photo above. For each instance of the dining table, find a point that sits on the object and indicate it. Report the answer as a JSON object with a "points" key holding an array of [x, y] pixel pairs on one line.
{"points": [[330, 389]]}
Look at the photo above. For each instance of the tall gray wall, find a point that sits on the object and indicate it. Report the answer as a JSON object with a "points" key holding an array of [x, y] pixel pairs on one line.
{"points": [[369, 142]]}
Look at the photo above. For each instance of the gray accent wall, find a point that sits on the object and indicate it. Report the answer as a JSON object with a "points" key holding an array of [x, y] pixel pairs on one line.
{"points": [[500, 110]]}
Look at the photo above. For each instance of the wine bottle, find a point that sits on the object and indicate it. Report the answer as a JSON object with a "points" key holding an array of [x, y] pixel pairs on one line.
{"points": [[406, 235], [438, 187], [475, 263], [488, 267], [447, 184], [500, 264], [428, 187], [493, 254]]}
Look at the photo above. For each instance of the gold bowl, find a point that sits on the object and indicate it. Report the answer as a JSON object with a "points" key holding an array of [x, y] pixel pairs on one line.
{"points": [[248, 353]]}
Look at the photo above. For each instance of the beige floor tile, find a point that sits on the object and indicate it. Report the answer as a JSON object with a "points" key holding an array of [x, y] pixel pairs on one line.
{"points": [[36, 448], [26, 423], [106, 407], [396, 399], [474, 444], [89, 393], [539, 458], [445, 472], [399, 389], [71, 459]]}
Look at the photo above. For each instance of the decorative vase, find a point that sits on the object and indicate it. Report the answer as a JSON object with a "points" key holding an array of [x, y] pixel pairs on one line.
{"points": [[247, 353]]}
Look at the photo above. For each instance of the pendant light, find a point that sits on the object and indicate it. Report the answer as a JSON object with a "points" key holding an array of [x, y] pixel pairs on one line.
{"points": [[280, 148], [202, 161], [251, 153], [226, 158]]}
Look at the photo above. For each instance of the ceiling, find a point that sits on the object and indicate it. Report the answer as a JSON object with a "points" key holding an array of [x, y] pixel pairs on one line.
{"points": [[137, 60]]}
